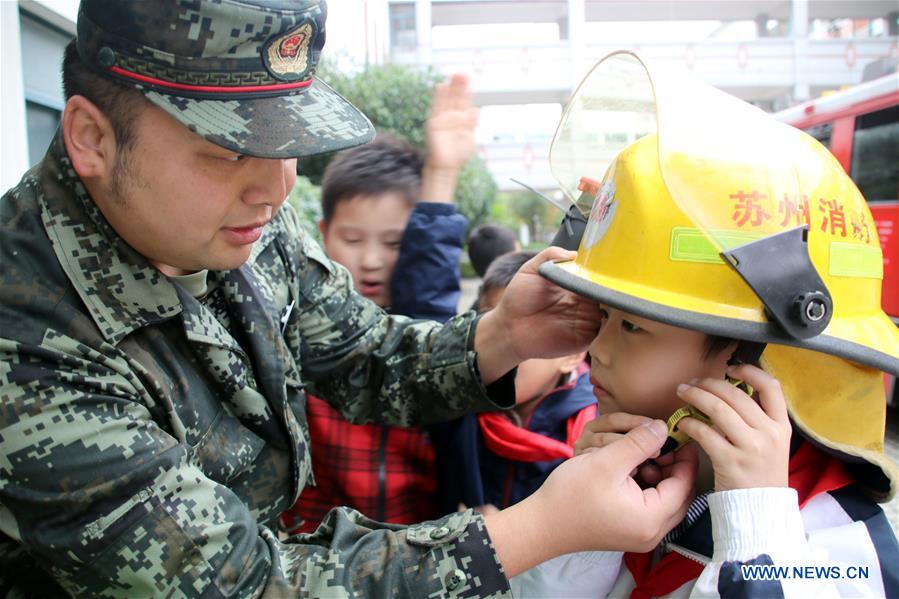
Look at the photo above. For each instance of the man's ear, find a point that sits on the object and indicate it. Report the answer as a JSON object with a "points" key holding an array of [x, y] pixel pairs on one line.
{"points": [[89, 138], [323, 228]]}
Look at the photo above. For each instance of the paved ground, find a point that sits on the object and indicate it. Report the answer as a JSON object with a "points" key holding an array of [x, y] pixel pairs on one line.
{"points": [[469, 293]]}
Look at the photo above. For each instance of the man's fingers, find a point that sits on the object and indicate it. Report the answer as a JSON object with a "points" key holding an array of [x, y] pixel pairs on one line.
{"points": [[613, 422], [685, 461], [619, 422], [649, 475], [594, 441], [664, 460], [550, 253], [637, 446], [675, 491]]}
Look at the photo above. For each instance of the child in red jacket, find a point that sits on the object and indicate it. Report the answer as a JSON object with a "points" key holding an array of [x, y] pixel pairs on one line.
{"points": [[404, 255]]}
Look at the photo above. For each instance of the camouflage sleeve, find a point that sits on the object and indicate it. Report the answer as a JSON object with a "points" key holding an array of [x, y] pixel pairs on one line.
{"points": [[375, 367], [112, 505]]}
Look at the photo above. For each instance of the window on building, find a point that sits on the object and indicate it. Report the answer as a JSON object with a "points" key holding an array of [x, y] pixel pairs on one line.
{"points": [[848, 28], [875, 154], [402, 27], [43, 47], [42, 123]]}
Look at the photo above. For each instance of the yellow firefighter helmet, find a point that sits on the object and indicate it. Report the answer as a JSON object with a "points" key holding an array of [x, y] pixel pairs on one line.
{"points": [[721, 220]]}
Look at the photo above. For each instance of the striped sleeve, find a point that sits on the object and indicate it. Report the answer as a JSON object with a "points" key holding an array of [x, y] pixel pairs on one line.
{"points": [[839, 545]]}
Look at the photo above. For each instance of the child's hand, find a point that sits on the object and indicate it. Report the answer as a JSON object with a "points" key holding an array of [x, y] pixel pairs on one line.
{"points": [[451, 142], [749, 444]]}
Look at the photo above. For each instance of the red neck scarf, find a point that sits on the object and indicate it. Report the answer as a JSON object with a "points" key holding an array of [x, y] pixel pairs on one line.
{"points": [[811, 472], [507, 440]]}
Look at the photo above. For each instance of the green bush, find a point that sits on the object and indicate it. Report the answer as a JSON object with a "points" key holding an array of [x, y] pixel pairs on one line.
{"points": [[467, 270], [397, 99], [517, 207], [475, 192], [305, 197]]}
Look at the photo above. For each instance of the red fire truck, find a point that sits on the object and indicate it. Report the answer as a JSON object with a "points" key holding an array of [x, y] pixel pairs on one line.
{"points": [[860, 126]]}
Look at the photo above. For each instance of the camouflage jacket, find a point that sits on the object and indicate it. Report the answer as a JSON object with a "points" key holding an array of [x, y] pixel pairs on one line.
{"points": [[148, 449]]}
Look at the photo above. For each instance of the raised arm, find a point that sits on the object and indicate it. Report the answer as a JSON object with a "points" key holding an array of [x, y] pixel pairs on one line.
{"points": [[425, 282], [451, 138]]}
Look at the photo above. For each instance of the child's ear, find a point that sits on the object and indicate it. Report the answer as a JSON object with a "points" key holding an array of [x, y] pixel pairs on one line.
{"points": [[322, 228], [89, 138], [570, 363]]}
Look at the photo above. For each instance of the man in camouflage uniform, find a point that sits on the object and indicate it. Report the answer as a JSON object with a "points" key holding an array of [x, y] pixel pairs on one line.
{"points": [[161, 318]]}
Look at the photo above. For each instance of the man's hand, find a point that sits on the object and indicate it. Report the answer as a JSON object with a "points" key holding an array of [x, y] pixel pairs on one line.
{"points": [[450, 130], [590, 502], [535, 319], [608, 428], [749, 445]]}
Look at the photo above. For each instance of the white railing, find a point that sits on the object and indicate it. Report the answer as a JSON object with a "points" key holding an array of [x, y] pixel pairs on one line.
{"points": [[763, 63], [522, 74]]}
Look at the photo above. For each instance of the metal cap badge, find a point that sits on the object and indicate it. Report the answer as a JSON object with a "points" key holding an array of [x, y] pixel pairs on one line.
{"points": [[240, 74]]}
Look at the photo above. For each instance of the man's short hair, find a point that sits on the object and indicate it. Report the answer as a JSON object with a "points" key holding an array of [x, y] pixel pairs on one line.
{"points": [[485, 243], [387, 164], [120, 103]]}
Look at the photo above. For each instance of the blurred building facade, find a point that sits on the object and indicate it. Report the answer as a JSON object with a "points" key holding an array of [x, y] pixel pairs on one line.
{"points": [[524, 57], [33, 37]]}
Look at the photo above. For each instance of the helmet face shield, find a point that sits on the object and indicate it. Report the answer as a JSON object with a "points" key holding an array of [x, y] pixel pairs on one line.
{"points": [[612, 107]]}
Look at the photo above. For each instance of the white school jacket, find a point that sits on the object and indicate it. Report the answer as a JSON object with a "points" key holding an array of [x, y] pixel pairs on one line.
{"points": [[840, 544]]}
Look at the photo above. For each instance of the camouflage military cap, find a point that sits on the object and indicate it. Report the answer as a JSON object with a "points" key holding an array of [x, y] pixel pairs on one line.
{"points": [[237, 72]]}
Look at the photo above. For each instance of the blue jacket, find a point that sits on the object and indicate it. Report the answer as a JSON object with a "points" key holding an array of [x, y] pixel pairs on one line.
{"points": [[425, 284], [425, 280], [476, 476]]}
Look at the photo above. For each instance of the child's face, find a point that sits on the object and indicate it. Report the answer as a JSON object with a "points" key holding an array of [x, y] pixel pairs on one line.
{"points": [[364, 235], [536, 377], [636, 364]]}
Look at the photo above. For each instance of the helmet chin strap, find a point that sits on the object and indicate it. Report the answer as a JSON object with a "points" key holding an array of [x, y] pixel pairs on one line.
{"points": [[747, 352]]}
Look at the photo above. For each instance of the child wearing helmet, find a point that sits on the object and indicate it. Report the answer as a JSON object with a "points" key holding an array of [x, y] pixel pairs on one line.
{"points": [[691, 255]]}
